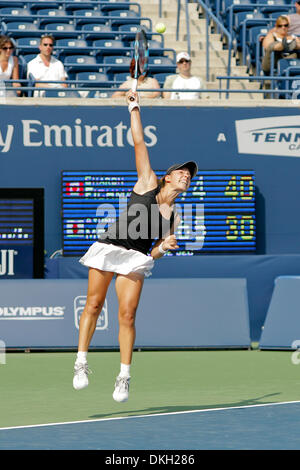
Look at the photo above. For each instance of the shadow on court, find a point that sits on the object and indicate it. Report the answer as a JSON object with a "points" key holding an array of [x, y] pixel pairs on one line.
{"points": [[261, 400]]}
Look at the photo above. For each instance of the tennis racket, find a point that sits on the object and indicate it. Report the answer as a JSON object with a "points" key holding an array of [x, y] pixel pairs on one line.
{"points": [[141, 55]]}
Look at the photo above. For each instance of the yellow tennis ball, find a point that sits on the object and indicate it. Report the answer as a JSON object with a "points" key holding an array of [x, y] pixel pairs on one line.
{"points": [[160, 28]]}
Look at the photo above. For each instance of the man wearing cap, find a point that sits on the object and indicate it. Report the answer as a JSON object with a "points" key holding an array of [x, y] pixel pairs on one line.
{"points": [[184, 80], [144, 232]]}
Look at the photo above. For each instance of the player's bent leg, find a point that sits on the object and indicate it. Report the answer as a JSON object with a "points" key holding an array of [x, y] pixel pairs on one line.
{"points": [[128, 290], [97, 289]]}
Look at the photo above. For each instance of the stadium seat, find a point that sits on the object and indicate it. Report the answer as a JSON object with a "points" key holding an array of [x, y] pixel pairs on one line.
{"points": [[104, 47], [47, 16], [80, 63], [13, 14], [79, 5], [23, 61], [121, 77], [99, 94], [20, 29], [82, 17], [41, 4], [61, 30], [115, 64], [92, 79], [128, 31], [61, 93], [255, 49], [278, 6], [161, 65], [70, 46], [121, 17], [113, 5], [161, 77], [27, 45], [92, 32]]}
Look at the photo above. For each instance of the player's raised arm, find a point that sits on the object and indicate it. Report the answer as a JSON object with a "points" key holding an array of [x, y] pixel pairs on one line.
{"points": [[147, 179]]}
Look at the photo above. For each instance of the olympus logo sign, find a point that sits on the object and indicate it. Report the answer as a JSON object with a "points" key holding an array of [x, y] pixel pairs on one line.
{"points": [[78, 134], [278, 135], [32, 313]]}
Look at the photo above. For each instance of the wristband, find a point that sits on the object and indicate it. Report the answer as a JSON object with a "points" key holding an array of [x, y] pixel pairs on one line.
{"points": [[161, 250], [133, 105]]}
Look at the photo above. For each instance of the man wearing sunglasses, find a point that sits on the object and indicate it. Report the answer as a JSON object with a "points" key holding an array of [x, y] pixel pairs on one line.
{"points": [[183, 80], [45, 67]]}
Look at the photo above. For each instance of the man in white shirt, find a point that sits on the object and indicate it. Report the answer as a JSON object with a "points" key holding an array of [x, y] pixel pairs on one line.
{"points": [[45, 67], [184, 80]]}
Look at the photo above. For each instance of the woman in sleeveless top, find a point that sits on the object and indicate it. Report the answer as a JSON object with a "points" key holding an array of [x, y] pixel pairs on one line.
{"points": [[144, 82], [125, 256], [9, 65], [278, 41]]}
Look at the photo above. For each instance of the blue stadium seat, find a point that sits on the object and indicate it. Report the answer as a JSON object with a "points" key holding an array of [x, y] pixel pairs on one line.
{"points": [[104, 47], [61, 93], [121, 77], [27, 45], [287, 68], [82, 17], [92, 79], [115, 64], [79, 5], [255, 48], [38, 5], [161, 65], [80, 63], [121, 17], [15, 14], [23, 61], [278, 6], [47, 16], [8, 4], [99, 94], [70, 46], [161, 77], [20, 29], [155, 47], [113, 5], [61, 30], [128, 31], [92, 32]]}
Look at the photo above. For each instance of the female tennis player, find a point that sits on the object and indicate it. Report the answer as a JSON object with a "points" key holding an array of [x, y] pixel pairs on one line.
{"points": [[123, 250]]}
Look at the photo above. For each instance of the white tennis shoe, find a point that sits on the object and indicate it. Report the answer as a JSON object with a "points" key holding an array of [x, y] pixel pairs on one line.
{"points": [[80, 379], [121, 392]]}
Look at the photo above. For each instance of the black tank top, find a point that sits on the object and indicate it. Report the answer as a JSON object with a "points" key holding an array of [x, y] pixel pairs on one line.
{"points": [[140, 224]]}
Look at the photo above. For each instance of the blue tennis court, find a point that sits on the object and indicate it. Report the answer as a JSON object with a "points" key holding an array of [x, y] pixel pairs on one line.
{"points": [[269, 426]]}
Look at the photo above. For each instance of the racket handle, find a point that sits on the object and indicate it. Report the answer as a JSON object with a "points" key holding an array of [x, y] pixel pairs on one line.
{"points": [[133, 87]]}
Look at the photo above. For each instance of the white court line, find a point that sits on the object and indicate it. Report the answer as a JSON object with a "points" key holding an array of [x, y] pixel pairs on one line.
{"points": [[172, 413]]}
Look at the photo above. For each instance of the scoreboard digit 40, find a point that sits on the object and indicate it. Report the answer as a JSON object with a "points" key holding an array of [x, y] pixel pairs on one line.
{"points": [[217, 212]]}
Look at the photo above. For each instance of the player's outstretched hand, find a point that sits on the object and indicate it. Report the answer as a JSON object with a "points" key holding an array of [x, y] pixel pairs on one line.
{"points": [[132, 96], [170, 243]]}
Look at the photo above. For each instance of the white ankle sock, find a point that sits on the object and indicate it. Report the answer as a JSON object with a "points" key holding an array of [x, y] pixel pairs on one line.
{"points": [[125, 370], [81, 357]]}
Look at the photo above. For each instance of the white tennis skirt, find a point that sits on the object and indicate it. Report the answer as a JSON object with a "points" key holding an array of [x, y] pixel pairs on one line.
{"points": [[108, 257]]}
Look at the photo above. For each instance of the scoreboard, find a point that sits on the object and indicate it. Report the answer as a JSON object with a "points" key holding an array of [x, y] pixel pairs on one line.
{"points": [[217, 212], [21, 233]]}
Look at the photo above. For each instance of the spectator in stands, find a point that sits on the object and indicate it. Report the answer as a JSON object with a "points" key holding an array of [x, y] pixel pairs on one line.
{"points": [[45, 67], [143, 82], [182, 80], [294, 20], [9, 64], [278, 40]]}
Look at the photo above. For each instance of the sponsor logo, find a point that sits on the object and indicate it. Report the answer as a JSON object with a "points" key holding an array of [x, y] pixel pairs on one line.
{"points": [[277, 135], [79, 304], [7, 262], [32, 313], [78, 134]]}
